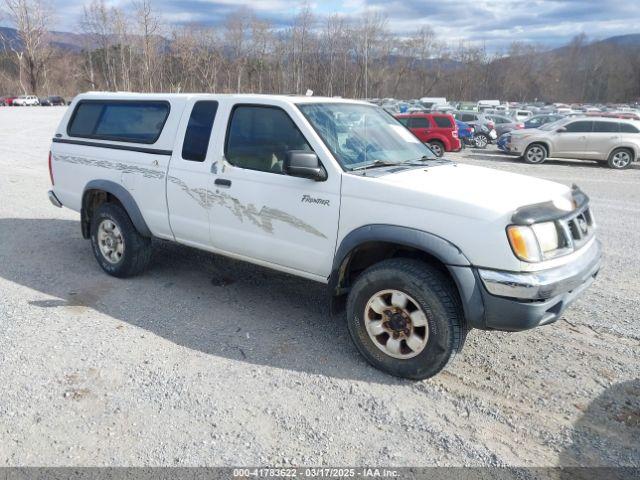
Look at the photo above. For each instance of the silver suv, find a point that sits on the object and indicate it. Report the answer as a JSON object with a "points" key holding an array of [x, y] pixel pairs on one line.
{"points": [[613, 140]]}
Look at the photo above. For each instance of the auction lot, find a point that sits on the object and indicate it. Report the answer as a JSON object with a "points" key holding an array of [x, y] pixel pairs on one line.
{"points": [[208, 361]]}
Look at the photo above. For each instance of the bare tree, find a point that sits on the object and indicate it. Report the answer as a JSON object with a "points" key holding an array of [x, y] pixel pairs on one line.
{"points": [[148, 22], [31, 19], [127, 49]]}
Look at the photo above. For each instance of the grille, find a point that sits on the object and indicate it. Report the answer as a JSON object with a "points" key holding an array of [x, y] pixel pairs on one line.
{"points": [[579, 228]]}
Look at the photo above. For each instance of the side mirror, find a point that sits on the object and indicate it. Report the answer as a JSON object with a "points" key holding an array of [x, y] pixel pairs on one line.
{"points": [[304, 164], [561, 130]]}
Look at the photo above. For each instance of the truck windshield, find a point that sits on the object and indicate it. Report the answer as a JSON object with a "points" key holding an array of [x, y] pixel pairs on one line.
{"points": [[364, 135]]}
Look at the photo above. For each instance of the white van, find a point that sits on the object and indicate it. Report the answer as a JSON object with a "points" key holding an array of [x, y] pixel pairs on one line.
{"points": [[417, 249]]}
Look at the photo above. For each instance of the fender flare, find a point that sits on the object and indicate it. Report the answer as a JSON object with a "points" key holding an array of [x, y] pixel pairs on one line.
{"points": [[125, 198], [442, 249], [457, 264]]}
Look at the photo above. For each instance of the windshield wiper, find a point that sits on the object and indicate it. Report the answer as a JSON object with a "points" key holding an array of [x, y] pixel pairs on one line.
{"points": [[386, 163], [377, 163]]}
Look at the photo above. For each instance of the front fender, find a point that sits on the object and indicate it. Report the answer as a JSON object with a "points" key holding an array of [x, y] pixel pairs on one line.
{"points": [[454, 260]]}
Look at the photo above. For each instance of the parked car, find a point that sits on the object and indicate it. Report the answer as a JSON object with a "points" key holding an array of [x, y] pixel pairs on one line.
{"points": [[52, 101], [504, 124], [8, 101], [418, 249], [465, 134], [502, 142], [26, 101], [521, 115], [484, 128], [437, 130], [468, 106], [464, 129], [615, 141], [539, 120]]}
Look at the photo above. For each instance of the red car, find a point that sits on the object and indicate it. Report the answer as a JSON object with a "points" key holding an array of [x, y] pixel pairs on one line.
{"points": [[438, 130], [7, 101]]}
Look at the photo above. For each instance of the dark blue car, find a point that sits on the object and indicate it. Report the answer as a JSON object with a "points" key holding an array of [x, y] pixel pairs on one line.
{"points": [[465, 131]]}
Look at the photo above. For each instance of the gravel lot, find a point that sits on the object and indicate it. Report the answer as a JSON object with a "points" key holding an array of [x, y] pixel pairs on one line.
{"points": [[207, 361]]}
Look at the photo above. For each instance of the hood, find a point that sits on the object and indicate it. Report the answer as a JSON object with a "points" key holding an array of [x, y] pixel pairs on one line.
{"points": [[473, 191], [527, 131]]}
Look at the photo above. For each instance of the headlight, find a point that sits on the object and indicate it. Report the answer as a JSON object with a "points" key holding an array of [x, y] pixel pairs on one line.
{"points": [[547, 235], [536, 243], [524, 244]]}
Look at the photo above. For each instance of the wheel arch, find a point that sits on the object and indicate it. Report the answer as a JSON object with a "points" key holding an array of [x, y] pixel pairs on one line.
{"points": [[635, 151], [98, 191], [544, 143], [437, 137], [370, 244]]}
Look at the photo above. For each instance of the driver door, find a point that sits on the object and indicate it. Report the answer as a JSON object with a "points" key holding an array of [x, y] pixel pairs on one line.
{"points": [[261, 214]]}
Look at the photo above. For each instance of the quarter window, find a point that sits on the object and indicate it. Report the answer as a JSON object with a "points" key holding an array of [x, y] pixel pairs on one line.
{"points": [[580, 127], [260, 136], [196, 138], [121, 121], [628, 128]]}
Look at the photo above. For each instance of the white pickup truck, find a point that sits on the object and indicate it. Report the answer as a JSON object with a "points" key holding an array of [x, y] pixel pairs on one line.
{"points": [[417, 249]]}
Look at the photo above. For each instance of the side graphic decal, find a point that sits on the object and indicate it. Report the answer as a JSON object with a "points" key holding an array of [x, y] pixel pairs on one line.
{"points": [[262, 219]]}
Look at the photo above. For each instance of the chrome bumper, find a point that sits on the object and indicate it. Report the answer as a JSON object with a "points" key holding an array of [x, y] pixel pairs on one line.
{"points": [[547, 283], [54, 200]]}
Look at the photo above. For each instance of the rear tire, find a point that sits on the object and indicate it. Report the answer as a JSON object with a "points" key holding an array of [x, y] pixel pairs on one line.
{"points": [[481, 140], [535, 153], [118, 247], [620, 159], [436, 147], [415, 339]]}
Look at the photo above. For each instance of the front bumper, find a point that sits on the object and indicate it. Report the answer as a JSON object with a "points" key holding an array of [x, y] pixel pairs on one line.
{"points": [[498, 300]]}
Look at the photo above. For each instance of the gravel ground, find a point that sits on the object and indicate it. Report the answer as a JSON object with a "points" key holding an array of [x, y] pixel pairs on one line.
{"points": [[207, 361]]}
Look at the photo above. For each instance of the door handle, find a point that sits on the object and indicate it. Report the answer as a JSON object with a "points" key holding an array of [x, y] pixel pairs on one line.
{"points": [[614, 138], [223, 182]]}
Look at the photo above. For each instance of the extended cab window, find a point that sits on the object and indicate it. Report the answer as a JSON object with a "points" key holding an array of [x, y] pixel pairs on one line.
{"points": [[196, 138], [260, 136], [121, 121]]}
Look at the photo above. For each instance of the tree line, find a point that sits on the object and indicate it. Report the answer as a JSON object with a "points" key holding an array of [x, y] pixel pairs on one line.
{"points": [[335, 55]]}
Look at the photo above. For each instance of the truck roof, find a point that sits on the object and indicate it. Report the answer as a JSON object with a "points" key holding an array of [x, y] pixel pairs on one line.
{"points": [[242, 96]]}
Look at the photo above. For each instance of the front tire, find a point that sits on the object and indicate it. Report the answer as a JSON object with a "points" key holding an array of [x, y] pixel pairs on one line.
{"points": [[405, 318], [620, 159], [535, 154], [118, 247]]}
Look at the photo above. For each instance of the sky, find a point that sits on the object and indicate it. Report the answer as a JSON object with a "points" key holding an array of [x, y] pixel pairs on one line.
{"points": [[494, 24]]}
